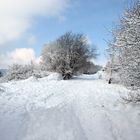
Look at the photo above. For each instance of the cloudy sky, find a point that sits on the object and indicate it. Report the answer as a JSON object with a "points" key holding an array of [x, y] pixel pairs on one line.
{"points": [[26, 25]]}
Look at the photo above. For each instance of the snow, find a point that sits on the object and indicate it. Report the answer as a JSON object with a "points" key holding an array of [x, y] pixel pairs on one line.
{"points": [[84, 108], [55, 76]]}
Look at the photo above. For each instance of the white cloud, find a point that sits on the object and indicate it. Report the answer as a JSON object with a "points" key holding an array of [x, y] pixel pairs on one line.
{"points": [[16, 16], [18, 56]]}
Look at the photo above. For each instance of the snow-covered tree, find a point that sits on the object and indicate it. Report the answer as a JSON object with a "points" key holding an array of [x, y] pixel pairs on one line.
{"points": [[68, 54], [125, 47]]}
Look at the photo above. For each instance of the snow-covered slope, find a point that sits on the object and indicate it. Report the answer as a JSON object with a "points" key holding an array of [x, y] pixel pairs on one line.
{"points": [[83, 108]]}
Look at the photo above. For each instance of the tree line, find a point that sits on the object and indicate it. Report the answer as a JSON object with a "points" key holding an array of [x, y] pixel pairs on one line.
{"points": [[124, 50]]}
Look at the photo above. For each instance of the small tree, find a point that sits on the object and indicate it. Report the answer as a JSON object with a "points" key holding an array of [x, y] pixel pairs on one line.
{"points": [[68, 54]]}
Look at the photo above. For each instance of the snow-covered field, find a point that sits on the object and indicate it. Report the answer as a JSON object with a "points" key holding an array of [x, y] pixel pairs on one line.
{"points": [[84, 108]]}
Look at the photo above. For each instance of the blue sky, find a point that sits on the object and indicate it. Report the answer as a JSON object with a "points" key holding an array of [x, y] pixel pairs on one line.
{"points": [[94, 18]]}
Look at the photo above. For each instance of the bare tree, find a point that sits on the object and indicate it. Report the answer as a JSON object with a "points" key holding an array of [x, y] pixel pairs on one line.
{"points": [[68, 54]]}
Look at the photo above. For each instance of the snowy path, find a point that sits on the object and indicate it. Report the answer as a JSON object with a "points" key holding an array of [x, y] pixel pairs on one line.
{"points": [[80, 109]]}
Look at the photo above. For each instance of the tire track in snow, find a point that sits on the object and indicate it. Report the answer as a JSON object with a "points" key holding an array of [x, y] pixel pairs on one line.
{"points": [[101, 119], [57, 123]]}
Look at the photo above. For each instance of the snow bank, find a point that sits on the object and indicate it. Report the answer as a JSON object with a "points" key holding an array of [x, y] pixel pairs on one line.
{"points": [[55, 76], [32, 79]]}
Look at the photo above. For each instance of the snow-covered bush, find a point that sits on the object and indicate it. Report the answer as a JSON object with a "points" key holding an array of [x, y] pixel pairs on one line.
{"points": [[133, 96], [68, 54], [20, 72]]}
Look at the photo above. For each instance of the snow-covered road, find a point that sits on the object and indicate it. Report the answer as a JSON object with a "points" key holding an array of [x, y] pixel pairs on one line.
{"points": [[83, 108]]}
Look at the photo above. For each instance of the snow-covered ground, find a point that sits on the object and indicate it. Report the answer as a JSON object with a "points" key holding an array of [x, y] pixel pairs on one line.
{"points": [[84, 108]]}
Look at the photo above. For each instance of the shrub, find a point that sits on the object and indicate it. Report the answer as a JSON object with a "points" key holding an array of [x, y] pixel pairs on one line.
{"points": [[21, 72]]}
